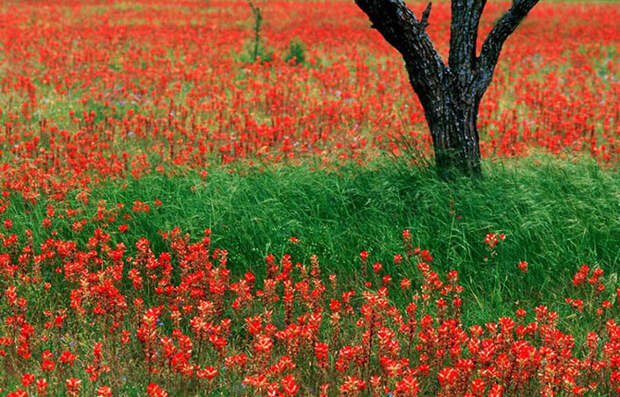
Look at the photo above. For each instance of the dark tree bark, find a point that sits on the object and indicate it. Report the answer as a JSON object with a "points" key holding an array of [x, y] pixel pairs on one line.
{"points": [[450, 94]]}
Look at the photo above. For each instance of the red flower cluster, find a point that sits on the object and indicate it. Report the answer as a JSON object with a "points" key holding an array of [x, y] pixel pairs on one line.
{"points": [[90, 319], [93, 92]]}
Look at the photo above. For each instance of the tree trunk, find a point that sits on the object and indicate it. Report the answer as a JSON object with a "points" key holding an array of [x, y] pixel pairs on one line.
{"points": [[451, 112], [452, 124], [450, 94]]}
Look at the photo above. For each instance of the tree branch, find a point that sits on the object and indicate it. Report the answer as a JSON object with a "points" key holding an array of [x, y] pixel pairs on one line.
{"points": [[399, 26], [492, 46], [425, 15], [463, 37]]}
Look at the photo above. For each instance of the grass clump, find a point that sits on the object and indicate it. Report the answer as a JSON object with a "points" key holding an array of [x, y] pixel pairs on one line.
{"points": [[556, 216], [296, 52], [208, 283]]}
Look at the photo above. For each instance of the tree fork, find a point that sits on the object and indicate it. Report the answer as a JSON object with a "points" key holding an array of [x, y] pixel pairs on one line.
{"points": [[450, 94]]}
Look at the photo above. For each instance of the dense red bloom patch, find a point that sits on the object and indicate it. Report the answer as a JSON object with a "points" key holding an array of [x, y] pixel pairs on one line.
{"points": [[95, 90], [101, 318], [98, 90]]}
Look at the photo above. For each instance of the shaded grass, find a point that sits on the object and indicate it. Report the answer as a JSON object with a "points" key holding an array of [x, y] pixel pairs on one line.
{"points": [[556, 216]]}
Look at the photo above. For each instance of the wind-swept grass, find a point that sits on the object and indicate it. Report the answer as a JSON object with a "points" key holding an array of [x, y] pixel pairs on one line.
{"points": [[555, 215]]}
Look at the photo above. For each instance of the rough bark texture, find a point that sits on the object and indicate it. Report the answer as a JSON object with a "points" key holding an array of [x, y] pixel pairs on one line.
{"points": [[450, 94]]}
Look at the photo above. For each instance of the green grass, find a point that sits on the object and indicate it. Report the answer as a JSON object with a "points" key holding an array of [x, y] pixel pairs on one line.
{"points": [[556, 215]]}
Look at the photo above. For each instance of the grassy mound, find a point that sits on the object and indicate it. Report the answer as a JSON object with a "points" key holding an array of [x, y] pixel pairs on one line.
{"points": [[555, 215]]}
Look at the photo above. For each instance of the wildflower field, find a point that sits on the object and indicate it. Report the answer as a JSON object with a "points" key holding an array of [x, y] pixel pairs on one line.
{"points": [[196, 205]]}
